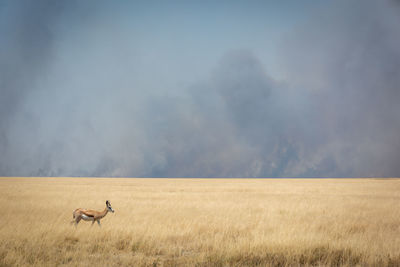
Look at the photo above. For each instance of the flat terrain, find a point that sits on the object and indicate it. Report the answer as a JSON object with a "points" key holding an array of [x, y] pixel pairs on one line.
{"points": [[203, 222]]}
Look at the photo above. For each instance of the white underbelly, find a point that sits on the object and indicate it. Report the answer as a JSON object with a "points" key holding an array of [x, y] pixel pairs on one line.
{"points": [[87, 218]]}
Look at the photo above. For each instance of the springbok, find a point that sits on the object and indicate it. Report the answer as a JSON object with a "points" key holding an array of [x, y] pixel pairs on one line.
{"points": [[91, 215]]}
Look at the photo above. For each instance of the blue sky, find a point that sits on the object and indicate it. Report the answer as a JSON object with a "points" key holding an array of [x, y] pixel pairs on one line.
{"points": [[182, 41], [199, 88]]}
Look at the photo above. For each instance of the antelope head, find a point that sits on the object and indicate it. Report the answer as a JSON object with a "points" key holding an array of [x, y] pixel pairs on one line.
{"points": [[108, 204]]}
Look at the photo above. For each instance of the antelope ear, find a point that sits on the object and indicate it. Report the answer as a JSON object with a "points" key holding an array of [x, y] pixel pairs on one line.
{"points": [[107, 202]]}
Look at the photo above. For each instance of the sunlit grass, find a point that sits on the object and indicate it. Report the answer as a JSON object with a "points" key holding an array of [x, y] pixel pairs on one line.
{"points": [[203, 222]]}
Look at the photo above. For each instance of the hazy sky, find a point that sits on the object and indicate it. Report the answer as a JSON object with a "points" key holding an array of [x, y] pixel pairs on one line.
{"points": [[200, 88]]}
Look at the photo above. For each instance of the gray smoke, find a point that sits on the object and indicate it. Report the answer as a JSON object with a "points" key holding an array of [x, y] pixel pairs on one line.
{"points": [[26, 48], [349, 65], [81, 97]]}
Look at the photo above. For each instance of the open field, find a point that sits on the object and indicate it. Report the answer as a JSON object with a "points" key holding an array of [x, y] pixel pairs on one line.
{"points": [[203, 222]]}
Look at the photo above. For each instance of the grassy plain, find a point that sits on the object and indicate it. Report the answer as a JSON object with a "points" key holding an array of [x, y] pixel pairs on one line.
{"points": [[201, 222]]}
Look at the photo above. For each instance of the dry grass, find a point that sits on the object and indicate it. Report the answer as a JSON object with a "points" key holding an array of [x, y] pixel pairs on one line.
{"points": [[204, 222]]}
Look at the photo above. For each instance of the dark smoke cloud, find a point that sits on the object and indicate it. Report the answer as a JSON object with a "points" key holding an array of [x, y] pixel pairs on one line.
{"points": [[77, 99], [223, 127]]}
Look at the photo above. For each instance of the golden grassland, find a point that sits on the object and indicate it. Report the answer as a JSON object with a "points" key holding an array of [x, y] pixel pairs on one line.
{"points": [[201, 222]]}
